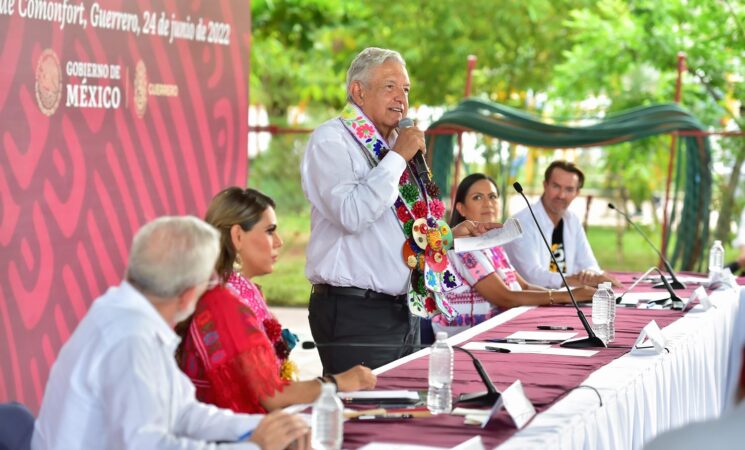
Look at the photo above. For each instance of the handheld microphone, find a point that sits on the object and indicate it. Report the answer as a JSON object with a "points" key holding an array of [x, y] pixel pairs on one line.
{"points": [[591, 340], [476, 398], [420, 164], [676, 283]]}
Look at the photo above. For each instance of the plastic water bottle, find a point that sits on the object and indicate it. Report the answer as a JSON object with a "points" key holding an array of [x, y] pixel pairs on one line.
{"points": [[611, 312], [716, 258], [440, 394], [327, 420], [604, 312]]}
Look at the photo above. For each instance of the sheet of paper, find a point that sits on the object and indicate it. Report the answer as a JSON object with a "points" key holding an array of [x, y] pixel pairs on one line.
{"points": [[682, 278], [633, 298], [381, 394], [469, 412], [702, 297], [561, 351], [517, 404], [655, 335], [510, 231], [692, 279], [392, 446], [650, 333], [554, 336], [531, 348], [513, 348], [473, 443]]}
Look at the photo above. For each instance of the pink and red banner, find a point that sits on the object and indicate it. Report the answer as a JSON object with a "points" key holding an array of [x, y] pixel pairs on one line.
{"points": [[111, 113]]}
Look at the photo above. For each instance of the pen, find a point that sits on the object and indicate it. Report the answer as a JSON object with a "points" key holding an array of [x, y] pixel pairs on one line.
{"points": [[497, 349], [386, 417], [521, 341], [245, 436], [554, 328]]}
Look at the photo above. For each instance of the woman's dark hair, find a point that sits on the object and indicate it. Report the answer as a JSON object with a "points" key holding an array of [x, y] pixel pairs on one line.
{"points": [[231, 206], [460, 194], [234, 206]]}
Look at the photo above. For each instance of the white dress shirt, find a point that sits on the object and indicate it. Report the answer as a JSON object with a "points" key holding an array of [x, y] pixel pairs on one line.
{"points": [[355, 238], [530, 256], [116, 385]]}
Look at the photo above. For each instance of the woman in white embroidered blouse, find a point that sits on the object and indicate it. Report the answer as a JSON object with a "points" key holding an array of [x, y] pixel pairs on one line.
{"points": [[491, 285]]}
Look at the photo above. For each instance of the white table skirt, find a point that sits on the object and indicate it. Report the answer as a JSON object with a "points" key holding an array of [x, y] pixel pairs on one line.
{"points": [[645, 395]]}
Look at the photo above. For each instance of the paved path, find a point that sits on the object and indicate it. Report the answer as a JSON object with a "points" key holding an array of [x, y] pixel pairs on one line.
{"points": [[296, 319]]}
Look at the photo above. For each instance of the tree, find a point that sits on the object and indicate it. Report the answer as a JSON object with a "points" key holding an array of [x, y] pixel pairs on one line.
{"points": [[301, 50], [627, 50]]}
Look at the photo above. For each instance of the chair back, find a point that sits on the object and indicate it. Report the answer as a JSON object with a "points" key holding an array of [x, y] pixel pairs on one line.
{"points": [[16, 426]]}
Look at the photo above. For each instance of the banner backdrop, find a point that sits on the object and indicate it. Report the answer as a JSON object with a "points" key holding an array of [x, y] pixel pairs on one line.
{"points": [[111, 113]]}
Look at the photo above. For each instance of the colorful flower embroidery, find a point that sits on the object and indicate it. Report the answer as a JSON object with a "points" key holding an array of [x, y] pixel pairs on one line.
{"points": [[365, 131], [437, 208], [430, 305], [273, 329], [419, 209], [417, 199], [431, 278], [449, 279], [404, 178], [403, 214], [250, 296], [407, 228], [468, 260]]}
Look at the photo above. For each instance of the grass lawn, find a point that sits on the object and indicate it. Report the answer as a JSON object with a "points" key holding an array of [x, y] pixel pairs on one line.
{"points": [[287, 286]]}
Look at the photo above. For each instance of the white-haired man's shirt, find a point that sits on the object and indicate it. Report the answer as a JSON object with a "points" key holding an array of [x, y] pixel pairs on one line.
{"points": [[116, 385]]}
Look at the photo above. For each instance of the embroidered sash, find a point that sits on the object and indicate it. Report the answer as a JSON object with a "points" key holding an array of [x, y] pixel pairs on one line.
{"points": [[419, 213]]}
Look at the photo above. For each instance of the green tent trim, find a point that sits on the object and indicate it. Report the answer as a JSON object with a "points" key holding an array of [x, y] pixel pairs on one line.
{"points": [[513, 125]]}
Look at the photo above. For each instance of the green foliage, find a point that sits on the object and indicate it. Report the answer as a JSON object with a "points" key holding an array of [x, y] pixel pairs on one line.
{"points": [[276, 172], [287, 285], [637, 168], [628, 51], [623, 50]]}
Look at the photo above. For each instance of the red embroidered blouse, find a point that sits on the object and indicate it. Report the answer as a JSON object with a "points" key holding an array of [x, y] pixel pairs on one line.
{"points": [[227, 355]]}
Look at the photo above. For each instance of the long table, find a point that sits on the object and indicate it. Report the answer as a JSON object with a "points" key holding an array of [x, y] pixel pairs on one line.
{"points": [[642, 394]]}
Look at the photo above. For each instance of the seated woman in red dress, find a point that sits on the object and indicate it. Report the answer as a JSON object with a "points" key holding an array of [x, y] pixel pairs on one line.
{"points": [[233, 348]]}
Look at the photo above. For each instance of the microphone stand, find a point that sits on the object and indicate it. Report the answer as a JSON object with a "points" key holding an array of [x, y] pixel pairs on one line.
{"points": [[487, 398], [479, 398], [677, 302], [638, 280], [591, 340], [676, 284]]}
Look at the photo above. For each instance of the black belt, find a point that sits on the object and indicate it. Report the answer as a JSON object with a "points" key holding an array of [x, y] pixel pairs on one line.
{"points": [[325, 290]]}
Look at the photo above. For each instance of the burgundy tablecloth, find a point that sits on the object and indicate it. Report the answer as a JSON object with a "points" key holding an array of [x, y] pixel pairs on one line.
{"points": [[545, 378]]}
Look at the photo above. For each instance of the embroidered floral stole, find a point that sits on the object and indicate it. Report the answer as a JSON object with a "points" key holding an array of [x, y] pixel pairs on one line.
{"points": [[419, 212]]}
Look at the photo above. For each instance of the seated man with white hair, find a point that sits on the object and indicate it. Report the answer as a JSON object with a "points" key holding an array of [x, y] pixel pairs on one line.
{"points": [[116, 385]]}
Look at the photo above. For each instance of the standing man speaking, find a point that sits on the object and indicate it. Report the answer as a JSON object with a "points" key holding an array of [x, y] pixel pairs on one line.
{"points": [[355, 175]]}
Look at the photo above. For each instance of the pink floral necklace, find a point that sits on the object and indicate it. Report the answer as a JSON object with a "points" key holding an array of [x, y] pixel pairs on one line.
{"points": [[250, 295]]}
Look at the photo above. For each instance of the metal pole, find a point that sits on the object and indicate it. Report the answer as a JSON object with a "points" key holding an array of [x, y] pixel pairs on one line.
{"points": [[467, 93], [673, 139]]}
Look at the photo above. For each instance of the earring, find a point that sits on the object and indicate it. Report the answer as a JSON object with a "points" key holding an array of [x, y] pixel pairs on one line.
{"points": [[237, 263]]}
